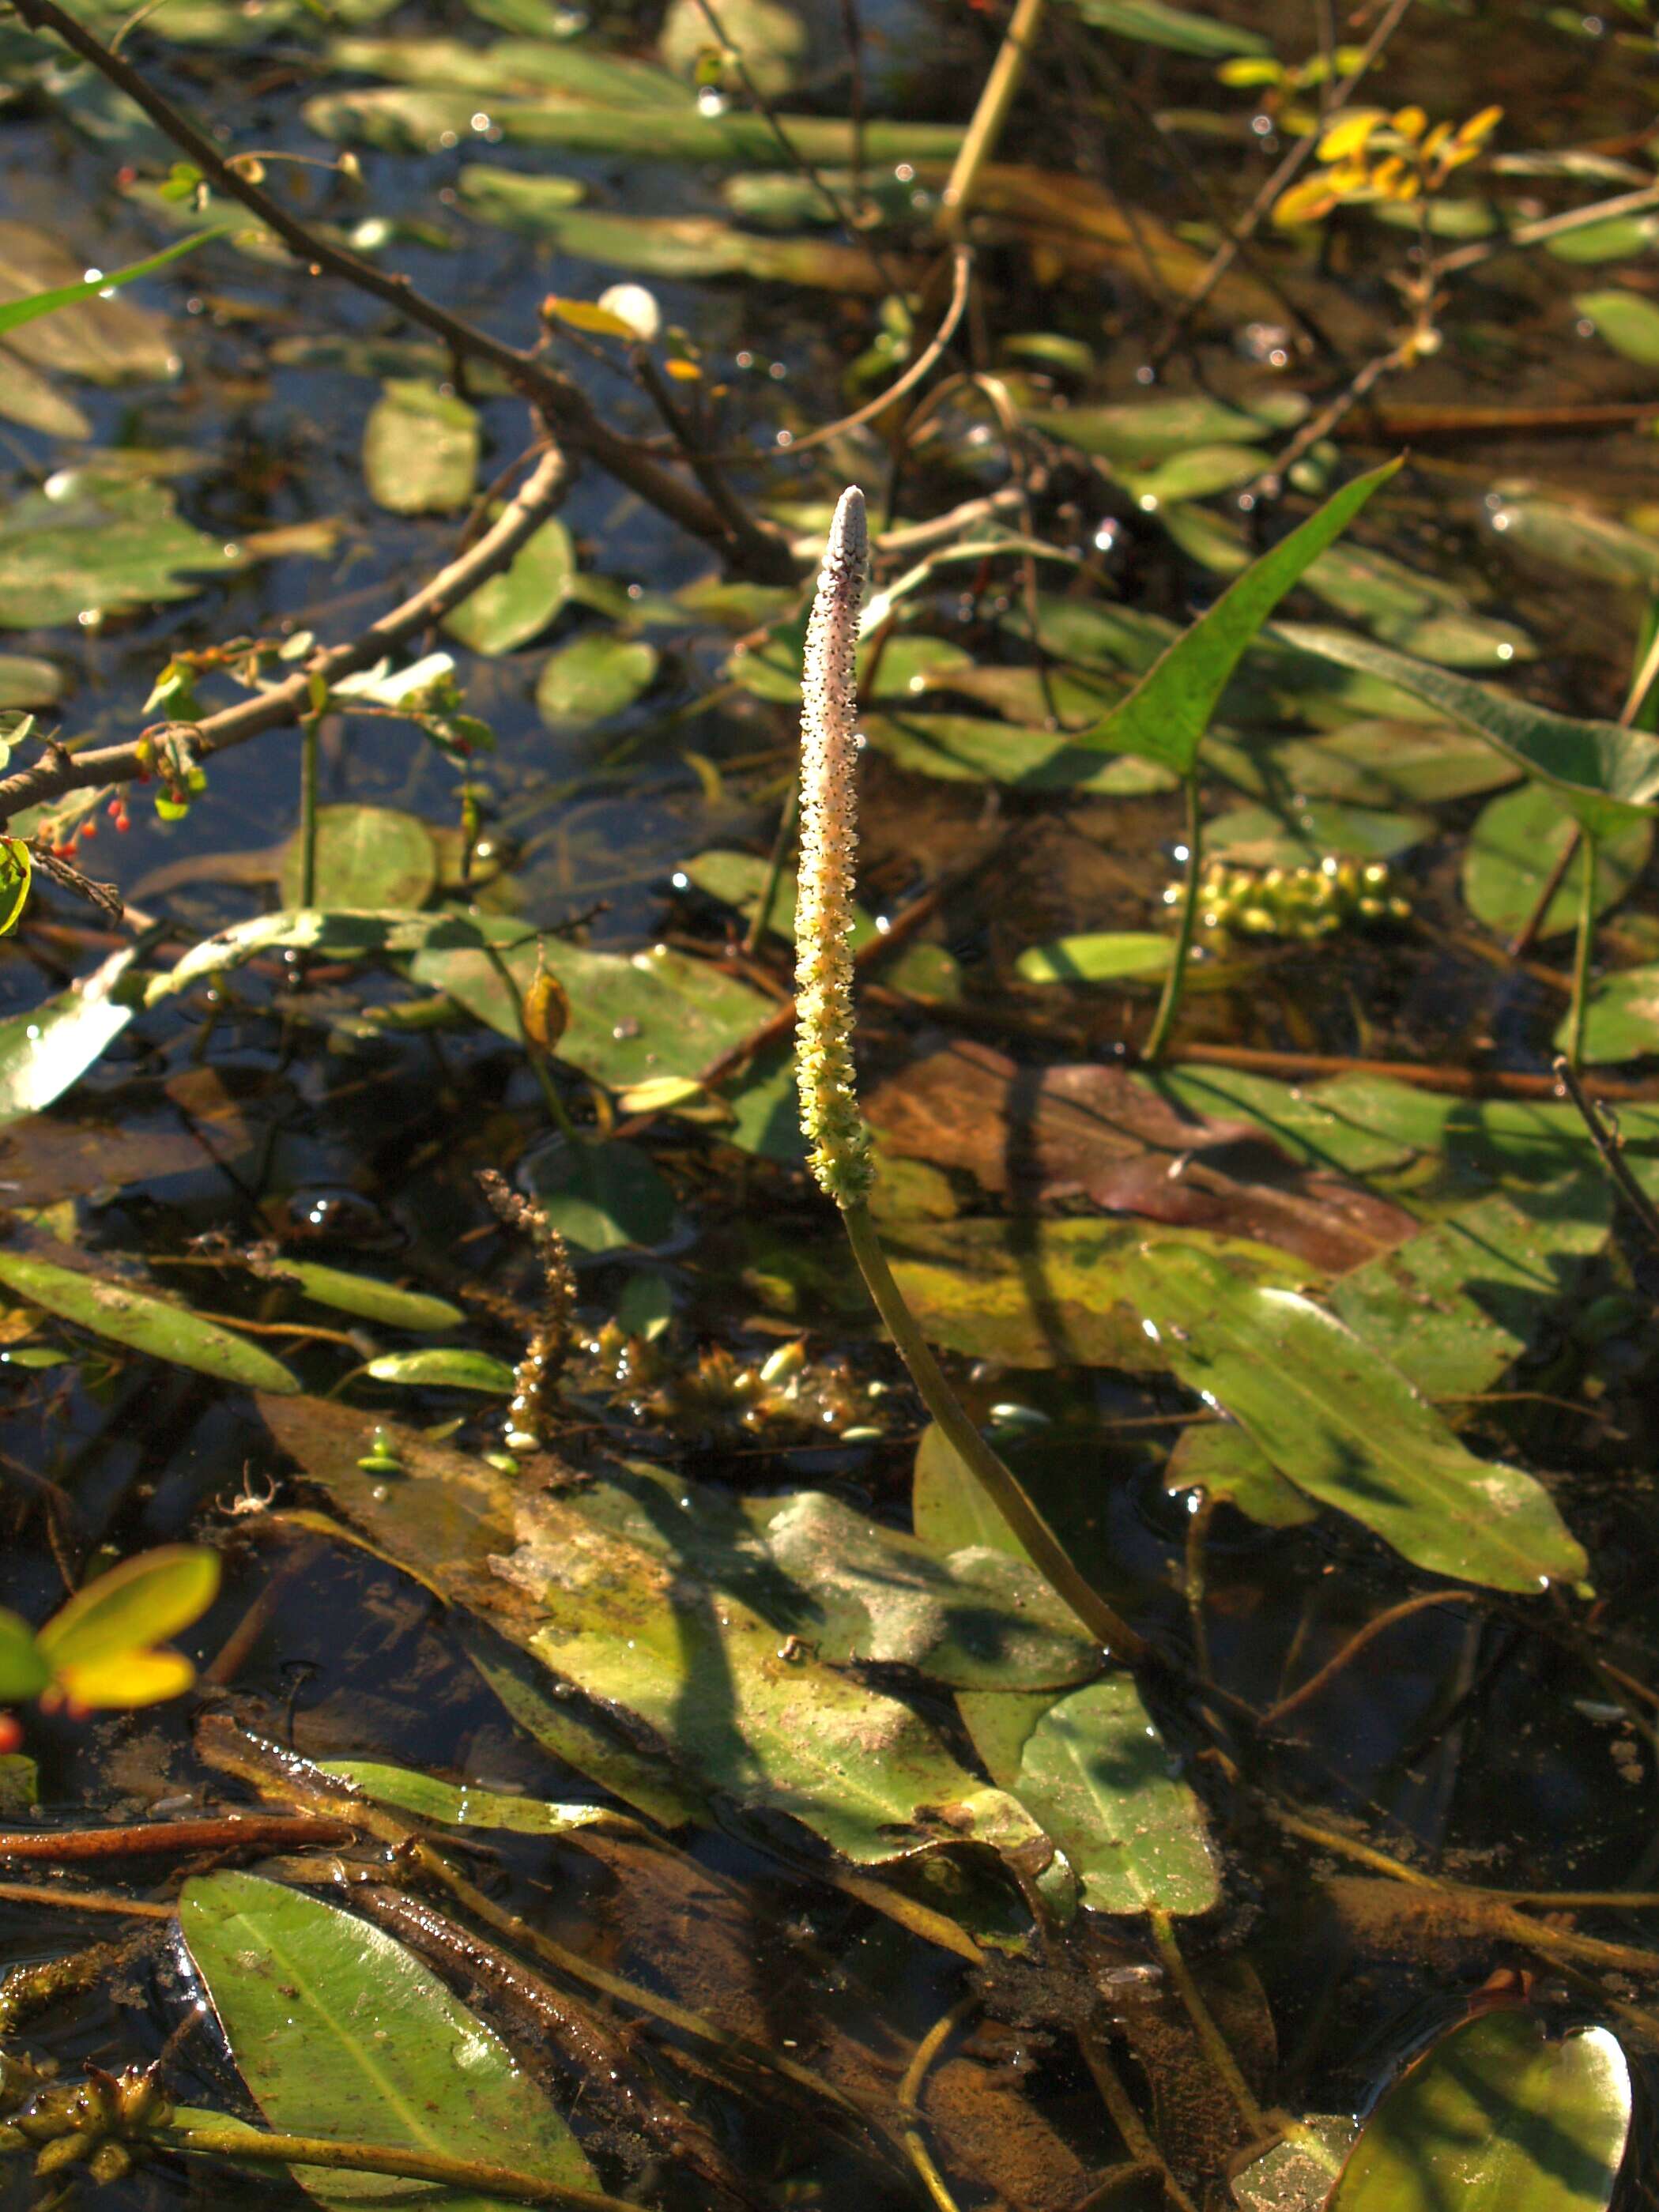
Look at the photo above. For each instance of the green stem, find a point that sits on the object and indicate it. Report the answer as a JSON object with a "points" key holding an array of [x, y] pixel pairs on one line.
{"points": [[1048, 1553], [996, 98], [1216, 2049], [1170, 1004], [479, 2177], [308, 811], [1581, 965]]}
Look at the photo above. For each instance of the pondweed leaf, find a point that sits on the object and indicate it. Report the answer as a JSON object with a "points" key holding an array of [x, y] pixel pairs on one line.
{"points": [[86, 544], [516, 606], [443, 1370], [1629, 323], [1166, 716], [339, 2030], [338, 933], [1092, 1770], [421, 448], [14, 313], [1512, 851], [464, 1804], [1602, 773], [100, 1647], [1622, 1020], [1494, 2117], [365, 1296], [45, 1050], [1155, 23], [367, 858], [23, 1672], [593, 678], [122, 1314], [1346, 1426]]}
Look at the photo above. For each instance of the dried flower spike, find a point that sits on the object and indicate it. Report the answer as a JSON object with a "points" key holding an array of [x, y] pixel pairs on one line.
{"points": [[841, 1154]]}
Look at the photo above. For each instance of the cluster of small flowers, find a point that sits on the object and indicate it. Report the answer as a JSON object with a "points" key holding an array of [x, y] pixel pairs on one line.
{"points": [[1306, 903]]}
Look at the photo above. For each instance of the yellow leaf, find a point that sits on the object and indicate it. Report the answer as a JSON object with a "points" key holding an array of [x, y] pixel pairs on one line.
{"points": [[1303, 203], [685, 372], [122, 1681], [16, 874], [658, 1093], [1389, 178], [1349, 133], [1348, 178], [1251, 69], [1480, 127], [1435, 139], [1410, 122], [585, 315], [134, 1604]]}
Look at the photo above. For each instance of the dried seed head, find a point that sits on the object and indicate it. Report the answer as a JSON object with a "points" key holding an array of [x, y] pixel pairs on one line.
{"points": [[841, 1154]]}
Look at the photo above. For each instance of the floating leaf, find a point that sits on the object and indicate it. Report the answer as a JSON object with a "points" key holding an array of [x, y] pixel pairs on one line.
{"points": [[633, 1014], [773, 41], [1166, 716], [1093, 1771], [1602, 772], [1574, 538], [602, 1197], [444, 1369], [739, 880], [337, 934], [466, 1805], [967, 748], [1347, 1426], [365, 1296], [1494, 2117], [45, 1050], [1621, 1020], [516, 606], [367, 858], [338, 2031], [23, 1672], [1220, 1460], [123, 1314], [88, 544], [421, 448], [1302, 834], [25, 682], [1369, 763], [593, 678], [1138, 432], [1107, 957], [1513, 850]]}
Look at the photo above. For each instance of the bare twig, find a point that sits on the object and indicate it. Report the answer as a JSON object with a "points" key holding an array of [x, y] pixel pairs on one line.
{"points": [[992, 113], [262, 1831], [758, 550], [289, 699], [1609, 1145], [961, 272], [1288, 169]]}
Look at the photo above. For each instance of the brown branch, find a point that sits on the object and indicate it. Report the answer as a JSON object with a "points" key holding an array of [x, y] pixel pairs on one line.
{"points": [[1459, 1082], [263, 1831], [757, 550], [60, 771], [1356, 1644], [1288, 169]]}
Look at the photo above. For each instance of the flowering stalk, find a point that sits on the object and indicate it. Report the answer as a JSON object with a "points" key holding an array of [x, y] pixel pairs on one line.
{"points": [[841, 1156]]}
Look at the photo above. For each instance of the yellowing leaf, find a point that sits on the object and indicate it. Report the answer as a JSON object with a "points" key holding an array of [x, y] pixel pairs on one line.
{"points": [[683, 372], [1410, 122], [1349, 133], [1248, 69], [586, 315], [126, 1680], [1304, 202], [139, 1603], [17, 873]]}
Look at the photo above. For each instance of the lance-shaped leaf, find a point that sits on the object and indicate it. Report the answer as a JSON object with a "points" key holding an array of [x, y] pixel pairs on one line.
{"points": [[464, 1805], [340, 2032], [1603, 774], [123, 1314], [15, 312], [1166, 716], [1494, 2118], [44, 1051], [1345, 1425]]}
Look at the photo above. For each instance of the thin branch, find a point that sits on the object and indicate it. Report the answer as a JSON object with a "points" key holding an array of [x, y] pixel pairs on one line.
{"points": [[477, 2176], [1547, 227], [995, 99], [758, 550], [961, 272], [1289, 168], [291, 699], [265, 1831], [1608, 1143]]}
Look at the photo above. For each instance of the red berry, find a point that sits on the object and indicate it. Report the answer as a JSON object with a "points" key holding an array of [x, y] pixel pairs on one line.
{"points": [[88, 831], [124, 820], [11, 1734]]}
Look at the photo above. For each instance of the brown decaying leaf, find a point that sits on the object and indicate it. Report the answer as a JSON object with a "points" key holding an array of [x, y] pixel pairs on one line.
{"points": [[185, 1126], [1037, 1135]]}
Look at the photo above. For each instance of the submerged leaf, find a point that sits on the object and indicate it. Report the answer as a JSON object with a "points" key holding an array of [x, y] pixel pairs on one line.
{"points": [[593, 678], [339, 2030], [367, 858], [511, 609], [1513, 850], [421, 448], [1495, 2119]]}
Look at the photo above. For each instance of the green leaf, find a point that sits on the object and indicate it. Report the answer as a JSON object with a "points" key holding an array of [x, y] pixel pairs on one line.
{"points": [[516, 606], [1166, 716], [632, 1015], [122, 1315], [971, 749], [1347, 1426], [367, 858], [1622, 1019], [1574, 538], [1629, 323], [1221, 1461], [45, 1050], [1297, 1120], [1495, 2119], [466, 1805], [23, 1672], [1512, 851], [593, 678], [1298, 835], [1604, 774], [338, 2031], [1139, 432], [773, 41], [421, 448], [25, 682], [87, 545], [1094, 1773], [1045, 1293], [140, 1603], [1157, 24], [603, 1197], [108, 342], [15, 312], [337, 934], [1105, 958], [1198, 473], [739, 879], [366, 1296], [1369, 763], [444, 1369]]}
